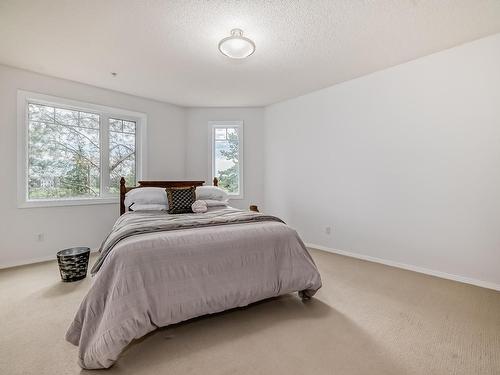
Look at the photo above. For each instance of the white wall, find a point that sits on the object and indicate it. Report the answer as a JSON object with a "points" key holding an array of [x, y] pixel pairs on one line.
{"points": [[198, 154], [75, 225], [404, 164]]}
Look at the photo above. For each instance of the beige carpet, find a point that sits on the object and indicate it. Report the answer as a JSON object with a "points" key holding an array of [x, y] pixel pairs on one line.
{"points": [[367, 319]]}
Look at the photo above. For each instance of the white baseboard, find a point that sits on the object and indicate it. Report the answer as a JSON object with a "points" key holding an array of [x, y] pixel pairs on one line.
{"points": [[409, 267], [32, 261]]}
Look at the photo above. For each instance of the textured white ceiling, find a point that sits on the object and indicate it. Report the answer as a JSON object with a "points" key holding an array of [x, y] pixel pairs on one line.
{"points": [[167, 50]]}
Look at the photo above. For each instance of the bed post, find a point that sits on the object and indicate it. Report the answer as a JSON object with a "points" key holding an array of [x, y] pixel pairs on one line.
{"points": [[216, 181], [122, 195]]}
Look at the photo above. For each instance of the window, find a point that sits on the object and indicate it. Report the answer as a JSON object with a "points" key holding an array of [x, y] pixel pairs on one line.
{"points": [[75, 153], [227, 155]]}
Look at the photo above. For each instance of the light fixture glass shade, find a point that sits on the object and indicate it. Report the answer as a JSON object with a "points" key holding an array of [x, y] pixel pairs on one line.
{"points": [[236, 46]]}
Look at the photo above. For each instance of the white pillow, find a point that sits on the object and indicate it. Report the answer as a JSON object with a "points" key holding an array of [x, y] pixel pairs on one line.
{"points": [[211, 193], [146, 195], [148, 207]]}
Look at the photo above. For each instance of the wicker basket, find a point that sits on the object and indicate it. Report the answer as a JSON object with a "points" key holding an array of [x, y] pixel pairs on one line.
{"points": [[73, 263]]}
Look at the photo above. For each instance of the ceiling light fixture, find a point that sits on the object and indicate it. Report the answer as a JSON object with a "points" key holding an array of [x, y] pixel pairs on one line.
{"points": [[236, 46]]}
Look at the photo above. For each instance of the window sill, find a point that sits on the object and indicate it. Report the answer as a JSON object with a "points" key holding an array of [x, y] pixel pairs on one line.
{"points": [[67, 202]]}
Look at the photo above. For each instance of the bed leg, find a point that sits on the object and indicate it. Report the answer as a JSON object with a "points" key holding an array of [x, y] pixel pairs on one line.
{"points": [[304, 295]]}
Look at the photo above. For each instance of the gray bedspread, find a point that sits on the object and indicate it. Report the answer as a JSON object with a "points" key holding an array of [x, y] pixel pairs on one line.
{"points": [[141, 222], [180, 268]]}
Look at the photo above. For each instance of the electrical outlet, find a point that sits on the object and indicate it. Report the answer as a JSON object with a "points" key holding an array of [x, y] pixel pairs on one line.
{"points": [[40, 237], [328, 230]]}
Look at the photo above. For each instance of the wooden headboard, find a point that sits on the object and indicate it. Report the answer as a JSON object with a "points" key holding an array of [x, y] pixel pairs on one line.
{"points": [[162, 184]]}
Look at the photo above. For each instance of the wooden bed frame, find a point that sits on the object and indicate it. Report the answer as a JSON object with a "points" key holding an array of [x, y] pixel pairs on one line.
{"points": [[162, 184]]}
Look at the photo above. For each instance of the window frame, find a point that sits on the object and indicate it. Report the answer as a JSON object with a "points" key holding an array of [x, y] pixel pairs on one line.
{"points": [[238, 124], [104, 112]]}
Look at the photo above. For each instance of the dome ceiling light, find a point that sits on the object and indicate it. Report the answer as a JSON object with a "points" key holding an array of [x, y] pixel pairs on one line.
{"points": [[236, 46]]}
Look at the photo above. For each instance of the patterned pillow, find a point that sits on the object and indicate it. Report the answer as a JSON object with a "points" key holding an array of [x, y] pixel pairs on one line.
{"points": [[180, 199]]}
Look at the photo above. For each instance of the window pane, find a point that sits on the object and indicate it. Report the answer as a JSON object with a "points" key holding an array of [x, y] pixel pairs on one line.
{"points": [[121, 153], [220, 133], [227, 168], [115, 125], [40, 113], [129, 127], [63, 156]]}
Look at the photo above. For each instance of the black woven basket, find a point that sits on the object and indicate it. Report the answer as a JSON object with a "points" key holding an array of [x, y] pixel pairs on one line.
{"points": [[73, 263]]}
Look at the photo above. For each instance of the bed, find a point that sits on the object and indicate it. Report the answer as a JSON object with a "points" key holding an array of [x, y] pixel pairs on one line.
{"points": [[157, 269]]}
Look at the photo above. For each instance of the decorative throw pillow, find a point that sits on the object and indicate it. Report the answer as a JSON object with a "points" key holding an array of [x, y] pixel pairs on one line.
{"points": [[180, 199]]}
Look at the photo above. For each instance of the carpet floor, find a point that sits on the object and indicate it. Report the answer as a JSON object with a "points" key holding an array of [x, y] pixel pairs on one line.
{"points": [[367, 319]]}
